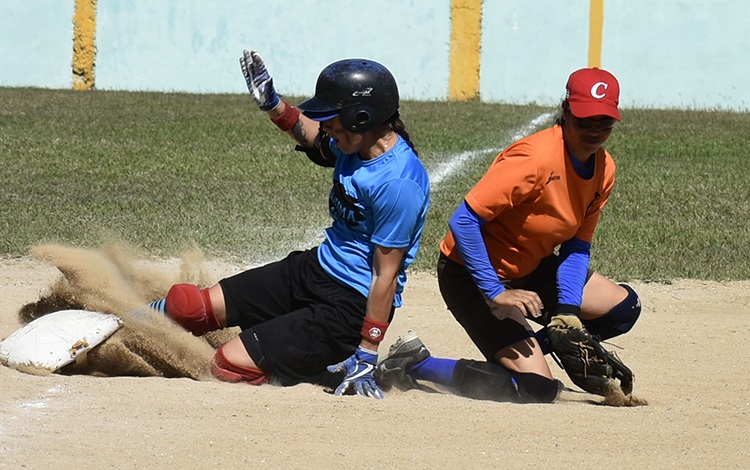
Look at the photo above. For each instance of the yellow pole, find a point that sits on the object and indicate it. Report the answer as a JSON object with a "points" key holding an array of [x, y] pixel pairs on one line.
{"points": [[596, 27], [466, 35], [84, 46]]}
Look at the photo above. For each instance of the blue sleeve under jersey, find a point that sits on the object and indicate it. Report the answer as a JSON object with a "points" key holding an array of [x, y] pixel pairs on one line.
{"points": [[465, 225], [571, 274]]}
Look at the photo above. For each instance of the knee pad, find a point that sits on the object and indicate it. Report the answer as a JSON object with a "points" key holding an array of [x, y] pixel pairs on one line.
{"points": [[490, 381], [191, 308], [483, 381], [534, 388], [619, 320], [224, 370]]}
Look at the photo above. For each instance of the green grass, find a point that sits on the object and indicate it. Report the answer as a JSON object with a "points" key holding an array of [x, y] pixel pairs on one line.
{"points": [[165, 171]]}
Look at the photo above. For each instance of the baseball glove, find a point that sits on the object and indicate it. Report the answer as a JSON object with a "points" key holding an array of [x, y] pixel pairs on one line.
{"points": [[584, 359]]}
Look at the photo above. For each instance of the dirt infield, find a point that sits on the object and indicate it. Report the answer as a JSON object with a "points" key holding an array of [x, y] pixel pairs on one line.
{"points": [[690, 352]]}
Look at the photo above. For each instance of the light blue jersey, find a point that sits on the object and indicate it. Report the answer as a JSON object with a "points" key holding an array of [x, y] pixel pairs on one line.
{"points": [[383, 202]]}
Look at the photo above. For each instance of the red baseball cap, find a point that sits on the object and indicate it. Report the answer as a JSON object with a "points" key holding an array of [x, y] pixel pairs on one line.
{"points": [[593, 92]]}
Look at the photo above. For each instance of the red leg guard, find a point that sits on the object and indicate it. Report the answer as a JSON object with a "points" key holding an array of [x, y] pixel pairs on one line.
{"points": [[228, 372], [191, 308]]}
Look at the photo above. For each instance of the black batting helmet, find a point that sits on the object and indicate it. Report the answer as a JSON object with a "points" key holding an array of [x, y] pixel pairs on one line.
{"points": [[362, 92]]}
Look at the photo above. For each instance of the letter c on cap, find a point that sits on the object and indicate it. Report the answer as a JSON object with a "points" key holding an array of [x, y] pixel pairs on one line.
{"points": [[595, 90]]}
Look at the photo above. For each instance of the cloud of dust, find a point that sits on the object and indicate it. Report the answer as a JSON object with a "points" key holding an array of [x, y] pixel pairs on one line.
{"points": [[114, 280], [614, 396]]}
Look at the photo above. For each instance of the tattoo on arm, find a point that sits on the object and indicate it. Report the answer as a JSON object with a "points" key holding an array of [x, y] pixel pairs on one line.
{"points": [[299, 134]]}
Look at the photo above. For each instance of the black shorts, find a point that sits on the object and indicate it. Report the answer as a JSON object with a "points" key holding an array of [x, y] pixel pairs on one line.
{"points": [[489, 326], [296, 319]]}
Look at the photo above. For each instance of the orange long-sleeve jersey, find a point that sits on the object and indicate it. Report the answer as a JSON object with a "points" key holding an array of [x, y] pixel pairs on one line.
{"points": [[532, 200]]}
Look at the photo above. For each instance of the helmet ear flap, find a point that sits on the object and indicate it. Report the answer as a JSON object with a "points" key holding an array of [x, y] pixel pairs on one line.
{"points": [[356, 119], [362, 117]]}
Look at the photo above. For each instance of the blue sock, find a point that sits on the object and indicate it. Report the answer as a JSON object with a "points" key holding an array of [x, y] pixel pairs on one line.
{"points": [[434, 369], [159, 305]]}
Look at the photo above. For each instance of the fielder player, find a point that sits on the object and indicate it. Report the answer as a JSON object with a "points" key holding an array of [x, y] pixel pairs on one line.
{"points": [[498, 267], [318, 315]]}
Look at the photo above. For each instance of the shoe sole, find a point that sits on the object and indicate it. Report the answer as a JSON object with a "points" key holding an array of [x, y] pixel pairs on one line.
{"points": [[386, 378], [402, 341]]}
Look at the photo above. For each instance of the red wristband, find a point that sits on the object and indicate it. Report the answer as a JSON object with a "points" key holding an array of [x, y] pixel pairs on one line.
{"points": [[373, 330], [288, 118]]}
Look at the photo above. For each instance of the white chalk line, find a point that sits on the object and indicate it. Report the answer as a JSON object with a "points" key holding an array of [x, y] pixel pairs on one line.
{"points": [[454, 162], [30, 412]]}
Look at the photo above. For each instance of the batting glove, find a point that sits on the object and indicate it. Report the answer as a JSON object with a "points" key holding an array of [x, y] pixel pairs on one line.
{"points": [[359, 368], [259, 82]]}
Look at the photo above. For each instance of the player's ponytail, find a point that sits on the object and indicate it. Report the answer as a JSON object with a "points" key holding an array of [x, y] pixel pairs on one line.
{"points": [[398, 127]]}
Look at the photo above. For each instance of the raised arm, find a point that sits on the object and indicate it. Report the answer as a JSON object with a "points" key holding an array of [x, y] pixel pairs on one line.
{"points": [[286, 117]]}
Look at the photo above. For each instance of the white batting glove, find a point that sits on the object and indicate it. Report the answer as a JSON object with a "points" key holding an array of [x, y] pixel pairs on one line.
{"points": [[259, 82]]}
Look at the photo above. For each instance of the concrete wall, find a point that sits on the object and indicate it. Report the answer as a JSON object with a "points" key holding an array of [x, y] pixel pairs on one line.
{"points": [[667, 53], [36, 43], [186, 46], [692, 53]]}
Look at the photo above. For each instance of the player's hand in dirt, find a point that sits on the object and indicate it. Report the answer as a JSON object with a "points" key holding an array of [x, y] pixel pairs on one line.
{"points": [[358, 368], [259, 82]]}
